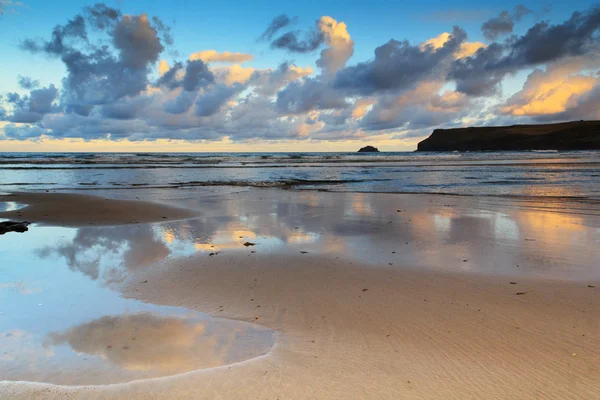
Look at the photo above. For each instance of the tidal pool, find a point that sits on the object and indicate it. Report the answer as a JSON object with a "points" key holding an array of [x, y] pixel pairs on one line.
{"points": [[63, 322]]}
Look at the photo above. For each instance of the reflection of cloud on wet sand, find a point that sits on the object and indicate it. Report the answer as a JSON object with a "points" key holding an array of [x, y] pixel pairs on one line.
{"points": [[110, 253], [149, 345]]}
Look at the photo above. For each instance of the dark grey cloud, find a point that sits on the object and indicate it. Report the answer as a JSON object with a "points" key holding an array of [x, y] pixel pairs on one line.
{"points": [[137, 41], [521, 11], [480, 74], [163, 29], [278, 23], [98, 73], [28, 83], [197, 75], [500, 25], [125, 108], [32, 108], [310, 94], [294, 41], [397, 65], [181, 103], [74, 29], [169, 78], [299, 42], [543, 43], [101, 17], [504, 23], [211, 101]]}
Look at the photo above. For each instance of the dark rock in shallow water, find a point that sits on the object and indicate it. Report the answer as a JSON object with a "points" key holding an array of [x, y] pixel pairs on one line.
{"points": [[13, 226], [579, 135], [369, 149]]}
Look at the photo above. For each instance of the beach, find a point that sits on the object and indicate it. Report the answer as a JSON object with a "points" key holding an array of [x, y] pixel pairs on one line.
{"points": [[299, 201], [370, 295]]}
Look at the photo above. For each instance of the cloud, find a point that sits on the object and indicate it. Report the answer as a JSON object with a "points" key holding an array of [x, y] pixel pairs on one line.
{"points": [[113, 338], [340, 45], [543, 43], [28, 83], [210, 102], [278, 23], [125, 109], [32, 108], [119, 85], [398, 65], [99, 74], [209, 56], [268, 82], [196, 75], [137, 41], [561, 88], [311, 94], [163, 67], [504, 23], [422, 107], [292, 41], [466, 49], [101, 17], [233, 74]]}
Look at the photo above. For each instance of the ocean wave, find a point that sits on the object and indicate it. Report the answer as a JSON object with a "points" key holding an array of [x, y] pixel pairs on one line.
{"points": [[9, 160], [288, 183]]}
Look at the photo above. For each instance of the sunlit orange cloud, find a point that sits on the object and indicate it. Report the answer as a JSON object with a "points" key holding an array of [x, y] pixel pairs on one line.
{"points": [[547, 93], [226, 56], [362, 106], [466, 49], [234, 73], [163, 67]]}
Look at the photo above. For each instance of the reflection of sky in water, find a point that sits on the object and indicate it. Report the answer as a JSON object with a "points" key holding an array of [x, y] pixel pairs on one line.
{"points": [[10, 206], [495, 236], [60, 324], [60, 279]]}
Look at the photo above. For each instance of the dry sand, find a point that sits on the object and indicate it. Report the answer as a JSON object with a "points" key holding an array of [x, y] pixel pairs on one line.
{"points": [[356, 331], [80, 210]]}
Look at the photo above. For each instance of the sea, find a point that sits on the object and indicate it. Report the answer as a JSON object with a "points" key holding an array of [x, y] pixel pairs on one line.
{"points": [[564, 174]]}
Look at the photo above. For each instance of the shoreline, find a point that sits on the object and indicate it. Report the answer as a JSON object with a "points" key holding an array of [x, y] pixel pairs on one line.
{"points": [[371, 295], [73, 210]]}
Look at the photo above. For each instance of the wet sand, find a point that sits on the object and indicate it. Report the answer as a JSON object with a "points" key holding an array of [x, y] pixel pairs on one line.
{"points": [[354, 329], [79, 210]]}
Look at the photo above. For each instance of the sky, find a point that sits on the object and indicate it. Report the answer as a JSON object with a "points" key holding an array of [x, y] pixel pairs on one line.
{"points": [[134, 75]]}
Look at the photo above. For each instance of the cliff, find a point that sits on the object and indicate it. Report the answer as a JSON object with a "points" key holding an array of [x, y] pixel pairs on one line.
{"points": [[577, 135]]}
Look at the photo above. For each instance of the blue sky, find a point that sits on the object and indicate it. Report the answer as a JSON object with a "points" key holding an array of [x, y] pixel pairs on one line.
{"points": [[235, 27]]}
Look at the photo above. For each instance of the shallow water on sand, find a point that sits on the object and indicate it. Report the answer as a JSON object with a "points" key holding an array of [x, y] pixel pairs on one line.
{"points": [[61, 321], [10, 205]]}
